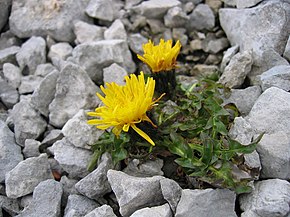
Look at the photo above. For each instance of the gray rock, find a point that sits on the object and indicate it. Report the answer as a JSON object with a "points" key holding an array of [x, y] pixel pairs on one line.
{"points": [[155, 8], [109, 51], [228, 56], [44, 18], [237, 70], [171, 192], [79, 206], [31, 54], [72, 159], [10, 152], [7, 55], [22, 179], [144, 169], [68, 186], [96, 185], [274, 151], [101, 9], [286, 53], [158, 211], [44, 93], [46, 200], [44, 69], [203, 70], [29, 83], [4, 12], [10, 205], [134, 193], [8, 94], [130, 3], [271, 111], [232, 3], [86, 32], [180, 34], [175, 17], [202, 18], [156, 26], [267, 18], [278, 76], [244, 99], [115, 73], [74, 91], [31, 148], [28, 123], [75, 129], [7, 39], [215, 45], [270, 198], [247, 3], [208, 202], [116, 31], [12, 74], [102, 211], [60, 50], [136, 41], [52, 137]]}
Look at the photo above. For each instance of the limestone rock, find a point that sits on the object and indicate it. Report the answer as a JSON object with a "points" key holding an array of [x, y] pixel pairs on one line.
{"points": [[102, 211], [7, 55], [171, 192], [116, 31], [60, 50], [158, 211], [12, 74], [86, 32], [115, 73], [247, 3]]}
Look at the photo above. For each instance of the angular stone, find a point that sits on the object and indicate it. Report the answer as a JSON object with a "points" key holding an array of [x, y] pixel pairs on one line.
{"points": [[202, 18], [7, 55], [274, 152], [116, 31], [102, 211], [215, 45], [144, 169], [4, 12], [46, 200], [52, 137], [68, 186], [12, 74], [134, 193], [11, 206], [109, 51], [7, 39], [73, 160], [74, 91], [29, 84], [96, 185], [31, 148], [28, 124], [101, 9], [60, 50], [278, 76], [237, 70], [269, 198], [31, 54], [42, 18], [115, 73], [271, 112], [180, 34], [79, 206], [286, 53], [247, 3], [136, 41], [86, 32], [232, 3], [158, 211], [208, 202], [44, 69], [175, 17], [244, 99], [228, 56], [8, 94], [44, 93], [22, 179], [10, 152], [171, 192]]}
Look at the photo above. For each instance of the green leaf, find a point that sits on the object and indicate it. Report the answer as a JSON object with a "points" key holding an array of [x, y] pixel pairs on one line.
{"points": [[94, 160], [189, 163], [208, 144], [118, 155]]}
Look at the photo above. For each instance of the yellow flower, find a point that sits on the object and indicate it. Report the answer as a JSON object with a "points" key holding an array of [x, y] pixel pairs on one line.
{"points": [[125, 106], [160, 57]]}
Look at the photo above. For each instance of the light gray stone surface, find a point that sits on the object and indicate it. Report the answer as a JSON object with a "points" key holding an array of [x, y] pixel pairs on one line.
{"points": [[51, 137], [134, 193], [158, 211], [75, 129], [270, 198], [29, 83], [23, 178], [247, 3], [136, 41], [43, 70], [42, 18], [10, 152], [228, 54], [60, 50], [31, 148], [68, 186], [28, 123], [175, 17], [8, 94], [96, 185], [8, 55], [101, 9], [102, 211], [115, 73], [237, 70], [31, 54], [208, 202], [7, 39], [12, 74], [215, 45], [46, 200], [278, 76], [86, 32], [74, 91], [72, 159], [79, 206], [171, 192], [11, 206], [286, 53], [116, 31]]}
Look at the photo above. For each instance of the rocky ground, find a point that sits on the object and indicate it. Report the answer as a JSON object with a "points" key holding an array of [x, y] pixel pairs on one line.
{"points": [[55, 53]]}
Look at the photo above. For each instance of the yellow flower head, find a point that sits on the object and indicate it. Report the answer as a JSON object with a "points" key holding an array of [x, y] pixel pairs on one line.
{"points": [[125, 106], [160, 57]]}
